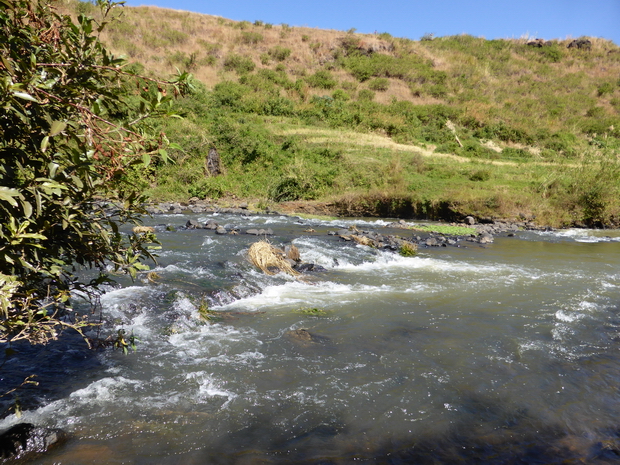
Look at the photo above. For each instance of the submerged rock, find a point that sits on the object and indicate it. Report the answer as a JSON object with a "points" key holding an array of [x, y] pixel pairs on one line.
{"points": [[305, 337], [193, 224], [309, 267], [25, 439]]}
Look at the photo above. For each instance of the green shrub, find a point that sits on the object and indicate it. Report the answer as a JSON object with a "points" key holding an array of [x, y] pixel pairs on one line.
{"points": [[438, 90], [595, 112], [379, 84], [85, 8], [341, 95], [503, 132], [562, 142], [448, 147], [264, 58], [238, 64], [277, 106], [172, 36], [605, 88], [242, 25], [473, 149], [209, 48], [552, 53], [251, 38], [279, 53], [58, 163], [206, 188], [366, 95], [277, 77], [229, 94], [322, 80], [511, 152], [305, 38], [480, 175]]}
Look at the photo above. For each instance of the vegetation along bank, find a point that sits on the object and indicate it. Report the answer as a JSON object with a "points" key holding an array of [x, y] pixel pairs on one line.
{"points": [[438, 128]]}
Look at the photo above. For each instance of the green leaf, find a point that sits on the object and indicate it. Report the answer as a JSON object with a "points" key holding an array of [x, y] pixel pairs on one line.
{"points": [[45, 143], [7, 64], [53, 167], [146, 159], [27, 209], [7, 194], [164, 155], [25, 96], [37, 197], [57, 128]]}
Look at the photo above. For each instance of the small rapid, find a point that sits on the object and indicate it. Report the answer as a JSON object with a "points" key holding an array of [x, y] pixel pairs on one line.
{"points": [[479, 354]]}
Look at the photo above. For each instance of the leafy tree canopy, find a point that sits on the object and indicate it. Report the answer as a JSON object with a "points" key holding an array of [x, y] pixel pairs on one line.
{"points": [[73, 123]]}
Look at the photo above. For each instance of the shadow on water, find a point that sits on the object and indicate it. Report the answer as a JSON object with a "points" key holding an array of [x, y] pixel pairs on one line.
{"points": [[495, 433], [58, 368]]}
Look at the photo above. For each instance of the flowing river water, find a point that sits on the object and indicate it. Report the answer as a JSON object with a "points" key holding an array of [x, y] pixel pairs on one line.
{"points": [[502, 353]]}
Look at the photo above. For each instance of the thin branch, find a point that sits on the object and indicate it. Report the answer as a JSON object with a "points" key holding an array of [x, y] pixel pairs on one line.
{"points": [[89, 112]]}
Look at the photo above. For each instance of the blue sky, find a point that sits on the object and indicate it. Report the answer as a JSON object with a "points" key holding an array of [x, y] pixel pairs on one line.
{"points": [[492, 19]]}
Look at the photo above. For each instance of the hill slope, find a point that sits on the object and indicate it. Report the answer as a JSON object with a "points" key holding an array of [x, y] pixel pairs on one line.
{"points": [[372, 123]]}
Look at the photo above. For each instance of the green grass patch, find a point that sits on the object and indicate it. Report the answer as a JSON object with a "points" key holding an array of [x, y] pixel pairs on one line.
{"points": [[444, 229]]}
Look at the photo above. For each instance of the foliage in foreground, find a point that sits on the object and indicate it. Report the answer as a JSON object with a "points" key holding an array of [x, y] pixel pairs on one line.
{"points": [[69, 135]]}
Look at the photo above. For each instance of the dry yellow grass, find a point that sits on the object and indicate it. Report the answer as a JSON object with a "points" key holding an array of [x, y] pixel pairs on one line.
{"points": [[267, 258], [362, 240]]}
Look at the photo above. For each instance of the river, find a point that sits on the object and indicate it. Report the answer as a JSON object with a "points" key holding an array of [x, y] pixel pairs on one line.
{"points": [[500, 353]]}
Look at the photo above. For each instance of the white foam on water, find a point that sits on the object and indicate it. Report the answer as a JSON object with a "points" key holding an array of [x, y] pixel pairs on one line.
{"points": [[244, 358], [315, 250], [584, 235], [194, 271], [568, 317], [217, 334], [126, 302], [105, 390], [124, 295], [324, 293], [208, 387], [386, 261], [346, 222], [208, 241]]}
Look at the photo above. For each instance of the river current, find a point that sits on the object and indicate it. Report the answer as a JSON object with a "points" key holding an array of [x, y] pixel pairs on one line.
{"points": [[502, 353]]}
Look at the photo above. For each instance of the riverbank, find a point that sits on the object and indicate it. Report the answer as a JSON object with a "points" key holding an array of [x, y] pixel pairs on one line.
{"points": [[487, 224]]}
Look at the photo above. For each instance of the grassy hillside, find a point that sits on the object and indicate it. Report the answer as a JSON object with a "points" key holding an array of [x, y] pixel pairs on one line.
{"points": [[440, 127]]}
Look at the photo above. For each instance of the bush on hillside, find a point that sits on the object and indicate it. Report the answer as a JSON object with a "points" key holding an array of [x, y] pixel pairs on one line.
{"points": [[238, 64], [322, 80], [379, 84], [279, 53]]}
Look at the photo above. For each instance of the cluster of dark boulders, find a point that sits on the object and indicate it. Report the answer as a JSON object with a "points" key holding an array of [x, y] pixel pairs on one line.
{"points": [[540, 43], [227, 228], [485, 233], [195, 205], [582, 44]]}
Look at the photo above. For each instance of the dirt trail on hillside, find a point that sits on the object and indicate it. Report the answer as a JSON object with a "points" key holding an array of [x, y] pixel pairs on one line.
{"points": [[379, 141]]}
